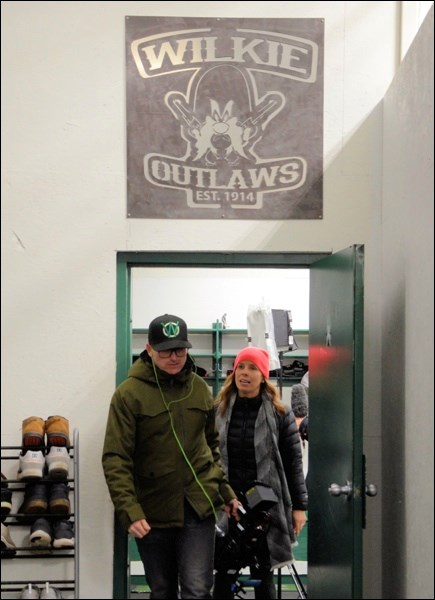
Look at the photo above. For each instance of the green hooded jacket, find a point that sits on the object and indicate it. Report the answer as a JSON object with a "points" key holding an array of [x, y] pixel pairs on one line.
{"points": [[161, 446]]}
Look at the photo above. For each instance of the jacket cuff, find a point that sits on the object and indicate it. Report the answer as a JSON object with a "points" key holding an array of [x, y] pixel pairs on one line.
{"points": [[129, 517], [227, 492]]}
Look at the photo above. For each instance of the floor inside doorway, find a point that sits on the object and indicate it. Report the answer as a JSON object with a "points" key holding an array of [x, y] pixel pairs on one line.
{"points": [[286, 589], [139, 589]]}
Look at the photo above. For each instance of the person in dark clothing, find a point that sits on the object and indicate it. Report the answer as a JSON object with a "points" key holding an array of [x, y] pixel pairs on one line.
{"points": [[162, 465], [299, 401], [259, 442]]}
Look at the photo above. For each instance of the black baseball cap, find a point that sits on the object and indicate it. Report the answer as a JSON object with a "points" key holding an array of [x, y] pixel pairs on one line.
{"points": [[168, 332]]}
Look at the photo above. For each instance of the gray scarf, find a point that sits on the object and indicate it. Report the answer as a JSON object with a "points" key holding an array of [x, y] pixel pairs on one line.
{"points": [[270, 471]]}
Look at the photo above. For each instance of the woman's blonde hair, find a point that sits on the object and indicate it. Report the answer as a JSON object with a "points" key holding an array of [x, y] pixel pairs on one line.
{"points": [[229, 388]]}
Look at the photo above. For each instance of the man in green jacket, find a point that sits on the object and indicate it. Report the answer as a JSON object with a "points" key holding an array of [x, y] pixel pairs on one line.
{"points": [[162, 464]]}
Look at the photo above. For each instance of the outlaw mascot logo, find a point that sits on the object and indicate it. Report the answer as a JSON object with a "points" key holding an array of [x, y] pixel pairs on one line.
{"points": [[222, 117]]}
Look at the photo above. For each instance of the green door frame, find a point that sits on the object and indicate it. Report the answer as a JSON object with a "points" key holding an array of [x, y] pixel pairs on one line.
{"points": [[125, 261]]}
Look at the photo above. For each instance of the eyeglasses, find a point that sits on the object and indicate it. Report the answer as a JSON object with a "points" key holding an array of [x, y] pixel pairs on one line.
{"points": [[167, 353]]}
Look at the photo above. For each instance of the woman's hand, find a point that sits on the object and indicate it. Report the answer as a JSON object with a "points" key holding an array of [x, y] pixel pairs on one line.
{"points": [[232, 509], [299, 519]]}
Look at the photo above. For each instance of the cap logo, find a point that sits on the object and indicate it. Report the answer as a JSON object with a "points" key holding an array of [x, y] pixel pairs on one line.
{"points": [[171, 329]]}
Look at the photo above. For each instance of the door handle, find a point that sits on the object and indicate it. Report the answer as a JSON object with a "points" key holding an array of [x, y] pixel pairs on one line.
{"points": [[341, 490], [371, 489]]}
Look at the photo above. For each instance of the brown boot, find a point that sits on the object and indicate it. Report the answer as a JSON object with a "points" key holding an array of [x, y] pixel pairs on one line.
{"points": [[57, 430], [33, 432]]}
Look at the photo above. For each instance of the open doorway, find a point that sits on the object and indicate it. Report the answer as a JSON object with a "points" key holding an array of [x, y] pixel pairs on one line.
{"points": [[215, 304], [166, 275]]}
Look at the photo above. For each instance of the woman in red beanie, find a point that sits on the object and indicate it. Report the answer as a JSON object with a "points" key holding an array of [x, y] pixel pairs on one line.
{"points": [[259, 443]]}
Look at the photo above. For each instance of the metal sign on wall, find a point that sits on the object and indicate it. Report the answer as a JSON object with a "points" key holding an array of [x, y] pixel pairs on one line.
{"points": [[224, 118]]}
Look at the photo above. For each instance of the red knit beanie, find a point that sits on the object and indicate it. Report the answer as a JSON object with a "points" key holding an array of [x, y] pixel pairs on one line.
{"points": [[258, 356]]}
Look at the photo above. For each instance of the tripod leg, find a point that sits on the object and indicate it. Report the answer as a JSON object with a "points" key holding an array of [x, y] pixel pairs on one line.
{"points": [[297, 581]]}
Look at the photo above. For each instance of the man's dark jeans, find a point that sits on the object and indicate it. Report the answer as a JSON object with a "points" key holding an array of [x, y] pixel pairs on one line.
{"points": [[178, 561]]}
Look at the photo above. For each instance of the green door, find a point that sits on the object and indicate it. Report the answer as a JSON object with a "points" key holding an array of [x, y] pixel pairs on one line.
{"points": [[335, 474]]}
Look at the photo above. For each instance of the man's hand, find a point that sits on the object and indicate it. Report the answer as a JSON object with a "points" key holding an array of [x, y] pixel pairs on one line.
{"points": [[139, 529]]}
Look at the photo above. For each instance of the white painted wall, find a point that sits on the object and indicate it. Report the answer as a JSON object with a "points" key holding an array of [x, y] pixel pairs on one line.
{"points": [[408, 324], [64, 207], [207, 294]]}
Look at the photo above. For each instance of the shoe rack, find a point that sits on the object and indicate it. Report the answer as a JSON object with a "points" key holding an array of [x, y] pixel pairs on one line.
{"points": [[23, 563]]}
